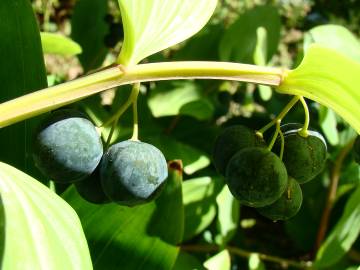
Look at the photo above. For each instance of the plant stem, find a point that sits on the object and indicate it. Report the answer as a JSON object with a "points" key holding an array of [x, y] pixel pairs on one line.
{"points": [[246, 254], [281, 115], [282, 144], [54, 97], [276, 133], [304, 131], [135, 135], [335, 176]]}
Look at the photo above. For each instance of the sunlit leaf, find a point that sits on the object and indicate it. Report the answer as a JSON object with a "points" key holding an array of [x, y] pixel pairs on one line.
{"points": [[154, 25], [140, 237], [344, 234], [329, 78], [255, 262], [41, 230], [328, 125], [220, 261], [199, 197], [59, 44], [335, 37], [228, 215]]}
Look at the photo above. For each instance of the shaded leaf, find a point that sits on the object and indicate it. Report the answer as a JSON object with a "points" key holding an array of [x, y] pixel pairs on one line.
{"points": [[154, 25], [59, 44], [188, 262], [344, 234], [88, 29], [319, 79], [22, 71], [141, 237], [41, 225], [239, 41]]}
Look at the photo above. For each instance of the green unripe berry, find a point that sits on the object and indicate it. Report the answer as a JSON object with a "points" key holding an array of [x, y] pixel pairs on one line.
{"points": [[256, 176], [304, 157], [287, 205], [133, 172], [67, 148], [230, 141]]}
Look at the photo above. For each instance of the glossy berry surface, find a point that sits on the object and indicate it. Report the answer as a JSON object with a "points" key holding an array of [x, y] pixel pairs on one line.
{"points": [[304, 157], [256, 176], [230, 141], [133, 172], [67, 147], [287, 205]]}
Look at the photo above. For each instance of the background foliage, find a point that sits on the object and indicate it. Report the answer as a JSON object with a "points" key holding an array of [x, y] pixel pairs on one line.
{"points": [[196, 223]]}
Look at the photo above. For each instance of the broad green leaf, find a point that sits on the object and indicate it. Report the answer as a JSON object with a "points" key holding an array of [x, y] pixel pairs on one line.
{"points": [[168, 98], [140, 237], [329, 78], [22, 71], [41, 230], [59, 44], [328, 125], [199, 197], [220, 261], [192, 158], [344, 234], [335, 37], [88, 29], [260, 58], [239, 41], [255, 262], [201, 109], [188, 262], [228, 215], [153, 25]]}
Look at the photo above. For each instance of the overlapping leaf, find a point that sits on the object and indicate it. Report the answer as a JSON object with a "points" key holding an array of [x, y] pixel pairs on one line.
{"points": [[154, 25], [41, 230], [326, 76]]}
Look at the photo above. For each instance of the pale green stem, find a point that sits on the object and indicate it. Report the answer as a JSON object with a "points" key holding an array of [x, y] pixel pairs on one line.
{"points": [[135, 135], [281, 115], [115, 118], [276, 133], [57, 96], [282, 140], [304, 131]]}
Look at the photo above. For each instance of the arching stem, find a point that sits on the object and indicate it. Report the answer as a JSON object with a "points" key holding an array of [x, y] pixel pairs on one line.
{"points": [[273, 140], [135, 135], [281, 115], [304, 131]]}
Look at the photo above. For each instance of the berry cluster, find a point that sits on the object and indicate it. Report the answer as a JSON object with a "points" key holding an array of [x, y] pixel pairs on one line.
{"points": [[259, 178], [68, 149]]}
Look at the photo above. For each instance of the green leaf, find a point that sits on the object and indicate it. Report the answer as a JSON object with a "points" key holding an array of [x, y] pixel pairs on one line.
{"points": [[22, 71], [220, 261], [329, 78], [335, 37], [154, 25], [239, 41], [344, 234], [228, 215], [260, 56], [88, 29], [255, 262], [59, 44], [41, 230], [141, 237], [192, 158], [188, 262], [199, 197], [328, 125], [168, 98]]}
